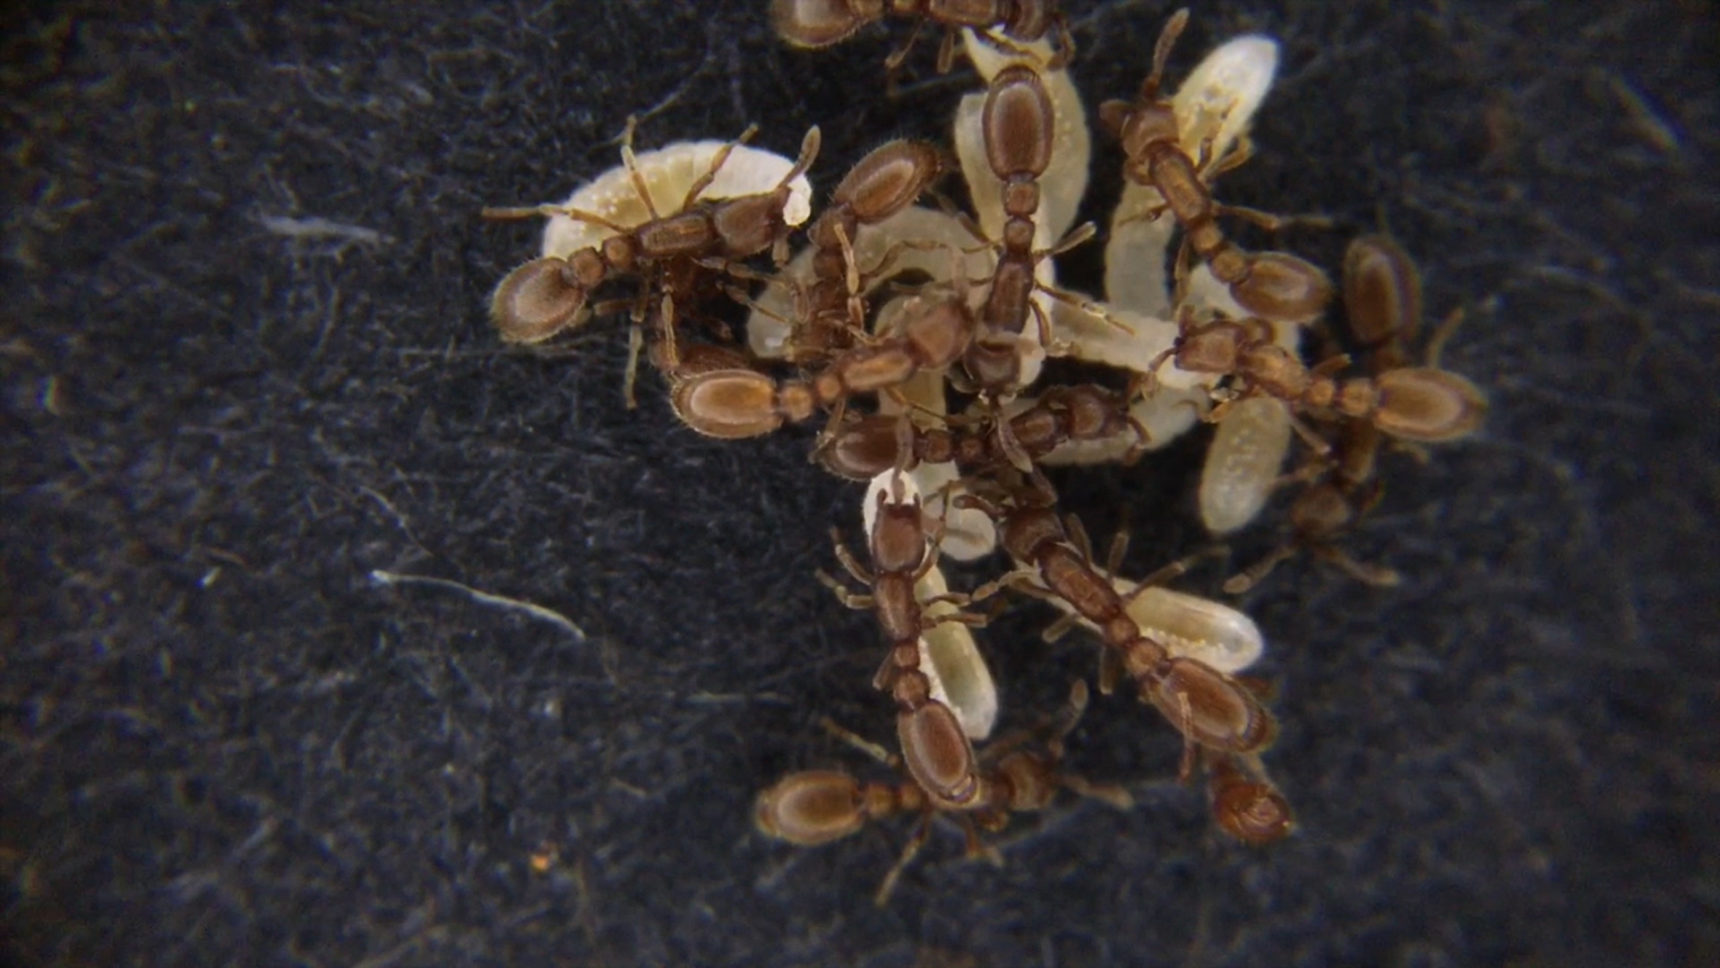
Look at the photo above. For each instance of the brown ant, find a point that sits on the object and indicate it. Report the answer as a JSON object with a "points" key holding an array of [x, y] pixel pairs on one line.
{"points": [[1018, 128], [1422, 403], [823, 23], [864, 447], [1275, 285], [935, 749], [1383, 304], [815, 807], [889, 179], [1212, 710], [1245, 804], [744, 402], [548, 295]]}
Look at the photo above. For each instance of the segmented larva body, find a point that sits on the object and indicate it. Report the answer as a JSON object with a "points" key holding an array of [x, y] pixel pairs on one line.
{"points": [[1196, 627], [1243, 462]]}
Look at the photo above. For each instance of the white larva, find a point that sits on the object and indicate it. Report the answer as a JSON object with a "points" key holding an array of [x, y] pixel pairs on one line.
{"points": [[1243, 463]]}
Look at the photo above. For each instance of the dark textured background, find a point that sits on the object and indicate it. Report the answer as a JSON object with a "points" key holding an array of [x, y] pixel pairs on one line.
{"points": [[223, 743]]}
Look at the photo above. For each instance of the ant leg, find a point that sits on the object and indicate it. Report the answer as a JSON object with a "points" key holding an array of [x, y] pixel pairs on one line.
{"points": [[1441, 333], [1311, 437], [1056, 630], [1367, 573], [1078, 537], [977, 848], [846, 595], [631, 162], [893, 62], [1110, 671], [1231, 160], [1020, 579], [1107, 793], [531, 211], [1084, 304], [1175, 569], [635, 343], [717, 160], [1114, 554], [859, 742], [909, 852], [1246, 579], [860, 572], [1269, 221]]}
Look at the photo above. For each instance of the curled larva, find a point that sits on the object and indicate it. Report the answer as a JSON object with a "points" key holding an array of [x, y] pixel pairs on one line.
{"points": [[1243, 463], [669, 173]]}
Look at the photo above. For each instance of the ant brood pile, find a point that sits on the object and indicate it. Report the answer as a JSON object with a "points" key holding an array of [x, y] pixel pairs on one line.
{"points": [[932, 393]]}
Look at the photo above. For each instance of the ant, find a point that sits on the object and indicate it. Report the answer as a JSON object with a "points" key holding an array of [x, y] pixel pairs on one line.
{"points": [[1018, 129], [1274, 285], [815, 807], [1212, 710], [1006, 23], [548, 295], [740, 402], [862, 448], [1244, 803], [886, 181], [1383, 303], [935, 749], [1416, 403]]}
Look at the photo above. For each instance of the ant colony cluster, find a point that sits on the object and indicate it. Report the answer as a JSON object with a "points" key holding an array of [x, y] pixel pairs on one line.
{"points": [[915, 338]]}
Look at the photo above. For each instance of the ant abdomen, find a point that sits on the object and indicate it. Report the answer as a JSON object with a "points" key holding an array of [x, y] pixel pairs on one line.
{"points": [[811, 808], [1282, 287], [538, 301], [938, 754], [1427, 405], [1211, 709]]}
